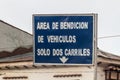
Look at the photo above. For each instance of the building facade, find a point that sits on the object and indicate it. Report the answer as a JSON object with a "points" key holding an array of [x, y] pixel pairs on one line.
{"points": [[16, 61]]}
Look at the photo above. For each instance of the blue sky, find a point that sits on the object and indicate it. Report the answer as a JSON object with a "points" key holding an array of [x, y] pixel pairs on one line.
{"points": [[19, 13]]}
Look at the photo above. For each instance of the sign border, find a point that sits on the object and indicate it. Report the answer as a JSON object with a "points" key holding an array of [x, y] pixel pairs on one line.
{"points": [[94, 55]]}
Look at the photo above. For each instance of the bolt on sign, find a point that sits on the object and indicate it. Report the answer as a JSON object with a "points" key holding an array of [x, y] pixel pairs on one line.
{"points": [[64, 38]]}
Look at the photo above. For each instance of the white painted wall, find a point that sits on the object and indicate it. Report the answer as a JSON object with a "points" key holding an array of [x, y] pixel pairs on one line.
{"points": [[48, 73], [100, 73]]}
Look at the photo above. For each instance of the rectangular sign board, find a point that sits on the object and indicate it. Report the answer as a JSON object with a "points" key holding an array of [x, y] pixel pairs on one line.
{"points": [[64, 39]]}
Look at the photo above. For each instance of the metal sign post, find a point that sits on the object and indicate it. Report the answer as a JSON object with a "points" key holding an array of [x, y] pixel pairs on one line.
{"points": [[64, 39]]}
